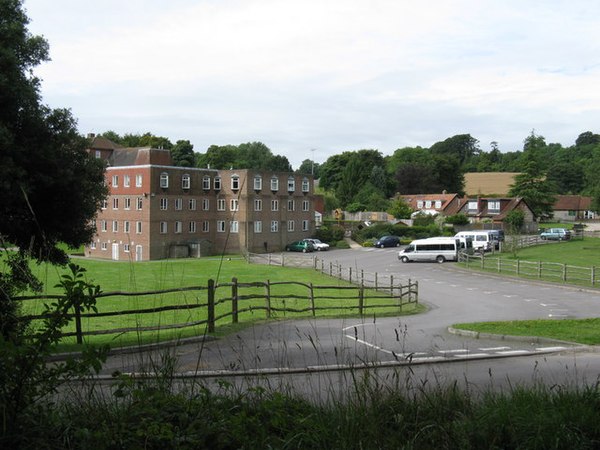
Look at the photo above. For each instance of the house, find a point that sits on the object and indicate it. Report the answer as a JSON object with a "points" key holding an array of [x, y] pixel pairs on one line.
{"points": [[446, 204], [494, 210], [570, 208], [156, 210]]}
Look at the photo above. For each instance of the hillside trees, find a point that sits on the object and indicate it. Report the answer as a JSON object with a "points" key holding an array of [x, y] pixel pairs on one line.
{"points": [[250, 155]]}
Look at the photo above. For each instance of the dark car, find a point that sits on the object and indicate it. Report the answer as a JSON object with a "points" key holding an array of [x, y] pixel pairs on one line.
{"points": [[299, 246], [388, 241]]}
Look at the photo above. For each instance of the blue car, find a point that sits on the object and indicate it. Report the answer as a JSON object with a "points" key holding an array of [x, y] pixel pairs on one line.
{"points": [[388, 241]]}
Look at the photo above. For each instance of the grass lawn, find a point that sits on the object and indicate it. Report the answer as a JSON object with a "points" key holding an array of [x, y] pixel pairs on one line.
{"points": [[157, 275], [581, 331], [576, 252]]}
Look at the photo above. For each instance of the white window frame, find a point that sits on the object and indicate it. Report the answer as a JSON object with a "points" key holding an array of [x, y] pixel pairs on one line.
{"points": [[221, 204], [419, 204], [126, 181], [291, 184], [164, 203], [257, 226], [305, 225], [291, 225], [127, 205], [257, 204], [234, 226], [186, 181], [126, 248], [234, 204], [217, 183], [274, 183], [138, 227], [115, 181], [274, 226], [138, 180], [164, 180], [205, 204], [257, 183], [274, 205], [103, 226], [93, 245], [205, 226], [235, 182], [164, 227], [178, 226], [305, 205], [305, 185], [220, 226], [104, 204], [206, 182], [139, 203], [103, 246], [291, 205], [115, 226], [178, 204], [192, 204], [126, 226], [115, 203], [192, 227]]}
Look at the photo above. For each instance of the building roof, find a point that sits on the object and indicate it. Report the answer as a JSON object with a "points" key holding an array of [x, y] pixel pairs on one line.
{"points": [[572, 203], [447, 200], [101, 143], [489, 183]]}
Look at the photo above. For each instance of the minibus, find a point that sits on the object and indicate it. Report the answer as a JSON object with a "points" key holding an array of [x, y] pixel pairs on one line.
{"points": [[482, 241], [438, 249]]}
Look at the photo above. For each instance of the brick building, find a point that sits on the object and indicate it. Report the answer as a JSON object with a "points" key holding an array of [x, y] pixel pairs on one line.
{"points": [[156, 210]]}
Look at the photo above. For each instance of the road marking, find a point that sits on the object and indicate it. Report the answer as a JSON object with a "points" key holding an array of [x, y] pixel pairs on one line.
{"points": [[455, 285], [548, 304], [550, 349], [459, 350], [530, 299], [514, 352], [473, 355], [558, 315], [494, 349], [509, 296], [490, 292], [472, 289]]}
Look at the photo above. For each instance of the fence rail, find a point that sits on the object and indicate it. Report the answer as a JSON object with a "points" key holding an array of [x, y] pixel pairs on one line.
{"points": [[207, 305], [531, 269]]}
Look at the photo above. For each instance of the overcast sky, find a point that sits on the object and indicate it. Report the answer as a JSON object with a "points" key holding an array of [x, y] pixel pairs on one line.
{"points": [[312, 78]]}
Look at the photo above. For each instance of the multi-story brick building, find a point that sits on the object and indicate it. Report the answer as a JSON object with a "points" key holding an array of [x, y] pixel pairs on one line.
{"points": [[156, 210]]}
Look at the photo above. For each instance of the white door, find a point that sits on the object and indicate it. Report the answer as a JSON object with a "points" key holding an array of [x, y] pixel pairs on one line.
{"points": [[115, 252], [138, 252]]}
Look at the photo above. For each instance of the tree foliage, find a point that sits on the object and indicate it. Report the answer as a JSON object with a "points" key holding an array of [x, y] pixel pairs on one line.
{"points": [[52, 189]]}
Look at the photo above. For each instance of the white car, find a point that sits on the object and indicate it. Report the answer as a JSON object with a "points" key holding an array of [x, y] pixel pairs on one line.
{"points": [[318, 245]]}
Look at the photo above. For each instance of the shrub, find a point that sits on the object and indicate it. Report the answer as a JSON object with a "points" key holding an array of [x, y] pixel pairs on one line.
{"points": [[458, 219]]}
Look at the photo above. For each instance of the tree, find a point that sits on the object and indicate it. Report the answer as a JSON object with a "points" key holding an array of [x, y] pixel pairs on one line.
{"points": [[400, 209], [52, 189], [535, 189], [183, 154], [461, 146], [309, 167]]}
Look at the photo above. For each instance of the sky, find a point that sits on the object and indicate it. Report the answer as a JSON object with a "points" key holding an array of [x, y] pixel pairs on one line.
{"points": [[314, 78]]}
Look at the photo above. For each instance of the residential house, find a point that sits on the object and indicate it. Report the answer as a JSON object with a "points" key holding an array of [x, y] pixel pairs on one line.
{"points": [[570, 208], [494, 211], [156, 210], [446, 204]]}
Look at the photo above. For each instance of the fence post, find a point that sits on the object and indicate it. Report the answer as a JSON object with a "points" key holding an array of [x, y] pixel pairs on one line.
{"points": [[375, 280], [234, 300], [564, 276], [330, 268], [518, 267], [593, 275], [269, 259], [350, 274], [361, 300], [392, 285], [312, 300], [283, 260], [211, 306], [539, 269], [268, 298], [482, 260], [362, 277], [78, 331]]}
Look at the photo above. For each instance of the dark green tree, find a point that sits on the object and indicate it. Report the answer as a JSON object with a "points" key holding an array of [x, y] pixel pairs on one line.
{"points": [[462, 147], [309, 167], [183, 154], [52, 189], [533, 186], [218, 157], [400, 209]]}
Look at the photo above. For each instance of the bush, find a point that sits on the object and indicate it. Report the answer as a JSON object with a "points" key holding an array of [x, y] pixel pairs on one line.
{"points": [[458, 219], [342, 244]]}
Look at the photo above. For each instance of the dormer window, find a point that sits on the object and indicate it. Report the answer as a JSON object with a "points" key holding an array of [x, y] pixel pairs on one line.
{"points": [[472, 206], [257, 183], [206, 182], [164, 180], [186, 181], [217, 183], [305, 185], [235, 182], [291, 185], [274, 184]]}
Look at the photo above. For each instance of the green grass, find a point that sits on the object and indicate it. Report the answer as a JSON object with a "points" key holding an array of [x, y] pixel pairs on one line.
{"points": [[576, 252], [581, 331], [147, 276]]}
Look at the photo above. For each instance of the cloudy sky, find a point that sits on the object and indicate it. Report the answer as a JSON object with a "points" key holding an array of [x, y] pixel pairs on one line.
{"points": [[313, 78]]}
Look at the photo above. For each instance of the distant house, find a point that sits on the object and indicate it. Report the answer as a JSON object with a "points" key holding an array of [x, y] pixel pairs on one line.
{"points": [[494, 210], [573, 207], [489, 184], [446, 204]]}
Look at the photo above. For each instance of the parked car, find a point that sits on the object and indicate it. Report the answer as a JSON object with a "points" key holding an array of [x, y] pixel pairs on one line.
{"points": [[557, 234], [388, 241], [317, 244], [300, 246]]}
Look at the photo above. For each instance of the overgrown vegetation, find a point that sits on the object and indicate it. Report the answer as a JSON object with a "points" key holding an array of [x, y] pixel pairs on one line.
{"points": [[368, 234]]}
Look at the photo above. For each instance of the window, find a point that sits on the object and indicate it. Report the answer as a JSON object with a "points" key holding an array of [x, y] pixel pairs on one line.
{"points": [[164, 180], [115, 203], [234, 204], [127, 203], [274, 184], [126, 248], [115, 226], [163, 227], [104, 204], [138, 180], [139, 203], [305, 205], [220, 226], [217, 183], [221, 204], [438, 204], [115, 181], [93, 246], [205, 204], [126, 226], [419, 204], [178, 204], [103, 225], [472, 206], [258, 226], [290, 225], [274, 226], [205, 226], [291, 205], [104, 246], [274, 205], [98, 155], [257, 204], [257, 183], [305, 185], [192, 227], [428, 204], [305, 225], [185, 181], [178, 226], [291, 184], [234, 226], [192, 204], [164, 203], [206, 182], [235, 182], [494, 206], [126, 181], [138, 227]]}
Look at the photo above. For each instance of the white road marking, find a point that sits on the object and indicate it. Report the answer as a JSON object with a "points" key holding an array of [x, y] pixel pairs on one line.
{"points": [[547, 304], [490, 292], [494, 349], [514, 352], [509, 296], [458, 350], [473, 355], [550, 349]]}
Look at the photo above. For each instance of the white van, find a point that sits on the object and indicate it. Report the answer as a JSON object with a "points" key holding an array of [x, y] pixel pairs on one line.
{"points": [[482, 241], [438, 249]]}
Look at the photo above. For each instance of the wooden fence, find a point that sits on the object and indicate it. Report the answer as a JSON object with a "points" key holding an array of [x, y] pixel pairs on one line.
{"points": [[541, 270], [217, 301]]}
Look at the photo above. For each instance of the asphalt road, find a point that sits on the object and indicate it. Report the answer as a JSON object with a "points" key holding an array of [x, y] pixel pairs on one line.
{"points": [[316, 353]]}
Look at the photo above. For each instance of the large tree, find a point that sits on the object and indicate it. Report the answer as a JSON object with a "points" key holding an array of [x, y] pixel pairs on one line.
{"points": [[51, 188]]}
